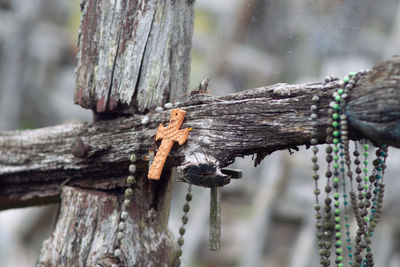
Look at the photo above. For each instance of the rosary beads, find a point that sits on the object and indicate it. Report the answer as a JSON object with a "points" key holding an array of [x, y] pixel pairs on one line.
{"points": [[366, 205], [128, 194], [182, 229], [130, 181]]}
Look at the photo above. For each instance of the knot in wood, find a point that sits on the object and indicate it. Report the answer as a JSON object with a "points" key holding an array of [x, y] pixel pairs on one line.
{"points": [[78, 148]]}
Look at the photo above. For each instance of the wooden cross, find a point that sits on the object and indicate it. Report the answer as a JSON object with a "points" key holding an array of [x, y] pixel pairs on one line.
{"points": [[169, 135]]}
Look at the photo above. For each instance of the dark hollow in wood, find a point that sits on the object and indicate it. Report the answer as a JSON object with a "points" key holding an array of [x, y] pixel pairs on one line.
{"points": [[203, 175]]}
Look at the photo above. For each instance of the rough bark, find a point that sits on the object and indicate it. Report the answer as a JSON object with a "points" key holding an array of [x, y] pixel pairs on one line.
{"points": [[35, 163]]}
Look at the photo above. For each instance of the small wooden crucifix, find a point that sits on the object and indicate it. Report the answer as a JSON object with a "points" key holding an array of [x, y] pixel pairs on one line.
{"points": [[169, 135]]}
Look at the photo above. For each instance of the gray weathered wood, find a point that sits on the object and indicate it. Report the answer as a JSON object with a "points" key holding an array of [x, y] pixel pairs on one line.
{"points": [[223, 128], [87, 227], [374, 109], [134, 55], [215, 219], [125, 58], [34, 163]]}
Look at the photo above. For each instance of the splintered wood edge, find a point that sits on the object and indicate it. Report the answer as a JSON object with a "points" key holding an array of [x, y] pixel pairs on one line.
{"points": [[202, 170]]}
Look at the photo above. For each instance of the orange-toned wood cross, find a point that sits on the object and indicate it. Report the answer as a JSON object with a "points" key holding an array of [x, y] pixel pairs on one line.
{"points": [[169, 135]]}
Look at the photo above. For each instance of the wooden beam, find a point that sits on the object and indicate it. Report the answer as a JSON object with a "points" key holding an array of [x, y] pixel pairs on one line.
{"points": [[35, 163]]}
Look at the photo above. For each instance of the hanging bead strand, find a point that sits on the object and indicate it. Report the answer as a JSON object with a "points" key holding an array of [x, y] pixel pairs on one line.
{"points": [[349, 83], [336, 135], [380, 165], [315, 176], [376, 179], [182, 229], [128, 194], [366, 193], [345, 203], [381, 191], [327, 227], [357, 209], [367, 204], [327, 216]]}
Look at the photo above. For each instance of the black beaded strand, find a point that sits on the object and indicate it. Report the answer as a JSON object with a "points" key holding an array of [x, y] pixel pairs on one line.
{"points": [[377, 180], [345, 204], [357, 208], [368, 260], [327, 225]]}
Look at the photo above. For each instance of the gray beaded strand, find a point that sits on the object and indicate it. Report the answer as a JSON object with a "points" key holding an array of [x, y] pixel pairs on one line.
{"points": [[315, 176], [321, 230], [128, 194], [182, 229]]}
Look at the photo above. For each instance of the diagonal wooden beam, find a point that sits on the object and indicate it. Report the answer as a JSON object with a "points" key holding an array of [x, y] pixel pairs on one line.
{"points": [[35, 163]]}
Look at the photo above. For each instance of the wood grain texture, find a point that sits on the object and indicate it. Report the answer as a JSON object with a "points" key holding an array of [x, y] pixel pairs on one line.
{"points": [[87, 227], [169, 135], [34, 163], [215, 219], [374, 109], [134, 55]]}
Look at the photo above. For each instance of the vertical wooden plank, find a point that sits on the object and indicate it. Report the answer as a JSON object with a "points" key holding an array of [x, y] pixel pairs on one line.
{"points": [[87, 227], [130, 53], [134, 55]]}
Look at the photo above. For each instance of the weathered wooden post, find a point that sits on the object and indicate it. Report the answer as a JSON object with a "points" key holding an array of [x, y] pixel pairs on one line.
{"points": [[133, 57]]}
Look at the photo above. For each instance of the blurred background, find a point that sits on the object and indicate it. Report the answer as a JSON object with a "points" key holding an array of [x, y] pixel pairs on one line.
{"points": [[267, 216]]}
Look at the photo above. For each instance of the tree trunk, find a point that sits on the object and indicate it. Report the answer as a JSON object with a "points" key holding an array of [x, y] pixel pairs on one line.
{"points": [[133, 56]]}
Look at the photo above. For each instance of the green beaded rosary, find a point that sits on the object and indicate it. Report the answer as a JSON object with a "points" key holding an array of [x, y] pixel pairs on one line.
{"points": [[366, 205]]}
